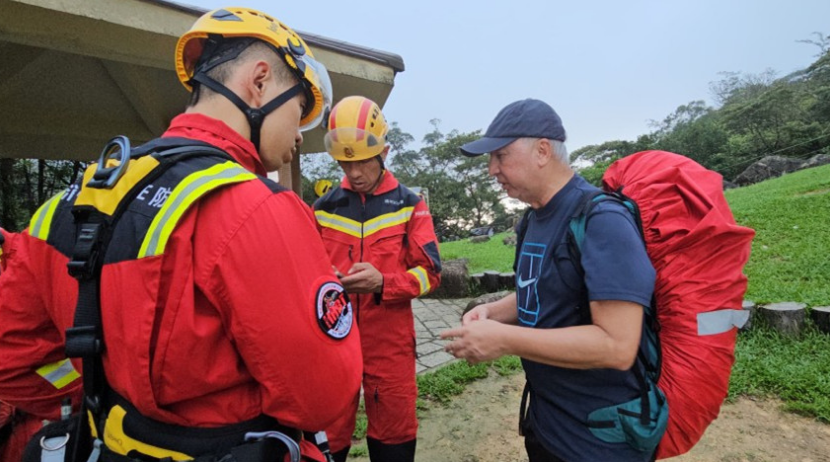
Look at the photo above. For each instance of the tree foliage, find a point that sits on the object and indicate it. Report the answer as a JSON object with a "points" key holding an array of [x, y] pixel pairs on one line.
{"points": [[461, 193], [26, 183], [759, 115]]}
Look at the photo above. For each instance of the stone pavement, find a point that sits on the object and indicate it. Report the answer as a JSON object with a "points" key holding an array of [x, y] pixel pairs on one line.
{"points": [[433, 316]]}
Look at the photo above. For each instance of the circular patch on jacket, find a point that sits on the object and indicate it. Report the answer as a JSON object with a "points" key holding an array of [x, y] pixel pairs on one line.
{"points": [[334, 311]]}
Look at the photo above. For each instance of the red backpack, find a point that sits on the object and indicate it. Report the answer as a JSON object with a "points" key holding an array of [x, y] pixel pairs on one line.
{"points": [[699, 253]]}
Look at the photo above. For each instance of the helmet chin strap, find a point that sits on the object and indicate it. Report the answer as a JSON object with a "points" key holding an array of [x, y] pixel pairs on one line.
{"points": [[382, 171], [255, 116]]}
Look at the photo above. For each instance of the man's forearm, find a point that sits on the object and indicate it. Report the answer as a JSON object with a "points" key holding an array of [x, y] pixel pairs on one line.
{"points": [[504, 310], [577, 347]]}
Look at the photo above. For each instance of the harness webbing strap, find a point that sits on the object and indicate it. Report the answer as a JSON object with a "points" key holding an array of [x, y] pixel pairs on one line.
{"points": [[85, 339], [53, 449]]}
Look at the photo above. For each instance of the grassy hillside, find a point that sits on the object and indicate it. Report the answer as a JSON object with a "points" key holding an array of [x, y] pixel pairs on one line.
{"points": [[791, 250]]}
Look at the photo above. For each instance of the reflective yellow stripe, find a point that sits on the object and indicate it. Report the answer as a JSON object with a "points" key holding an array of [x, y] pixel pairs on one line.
{"points": [[339, 223], [186, 193], [59, 374], [387, 221], [423, 279], [353, 228], [117, 440], [42, 219]]}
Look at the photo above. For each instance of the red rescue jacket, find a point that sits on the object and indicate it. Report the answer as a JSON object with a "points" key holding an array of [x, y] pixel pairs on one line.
{"points": [[221, 327], [391, 229]]}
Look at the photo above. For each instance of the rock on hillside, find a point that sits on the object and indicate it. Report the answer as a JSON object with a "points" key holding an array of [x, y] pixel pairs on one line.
{"points": [[775, 166]]}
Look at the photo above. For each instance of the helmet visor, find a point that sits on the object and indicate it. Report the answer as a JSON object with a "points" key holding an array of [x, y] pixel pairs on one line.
{"points": [[352, 144], [326, 93]]}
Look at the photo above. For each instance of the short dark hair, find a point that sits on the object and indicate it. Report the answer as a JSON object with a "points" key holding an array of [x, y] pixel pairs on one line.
{"points": [[223, 57]]}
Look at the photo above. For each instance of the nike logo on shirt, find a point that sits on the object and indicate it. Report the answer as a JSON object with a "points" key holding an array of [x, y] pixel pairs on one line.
{"points": [[523, 284]]}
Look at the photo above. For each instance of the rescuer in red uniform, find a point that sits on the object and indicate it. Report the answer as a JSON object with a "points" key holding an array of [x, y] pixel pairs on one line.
{"points": [[221, 318], [380, 238]]}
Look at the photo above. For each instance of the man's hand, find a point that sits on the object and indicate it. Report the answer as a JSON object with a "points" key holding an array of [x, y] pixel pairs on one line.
{"points": [[363, 278], [478, 313], [477, 341]]}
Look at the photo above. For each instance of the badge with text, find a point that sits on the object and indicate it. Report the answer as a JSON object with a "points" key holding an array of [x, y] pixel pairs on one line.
{"points": [[334, 311]]}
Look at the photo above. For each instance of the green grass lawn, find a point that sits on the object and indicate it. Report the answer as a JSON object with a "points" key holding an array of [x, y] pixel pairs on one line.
{"points": [[490, 255], [791, 251], [790, 261], [796, 370]]}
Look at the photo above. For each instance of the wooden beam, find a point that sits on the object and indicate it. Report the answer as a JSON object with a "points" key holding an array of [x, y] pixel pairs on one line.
{"points": [[141, 94], [16, 58], [285, 175]]}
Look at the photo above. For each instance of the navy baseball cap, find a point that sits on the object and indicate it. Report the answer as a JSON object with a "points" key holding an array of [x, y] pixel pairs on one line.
{"points": [[528, 118]]}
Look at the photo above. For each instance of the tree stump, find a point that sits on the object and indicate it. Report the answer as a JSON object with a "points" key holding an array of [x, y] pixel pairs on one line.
{"points": [[750, 306], [507, 280], [821, 317], [787, 317], [454, 280], [486, 298], [490, 281], [477, 280]]}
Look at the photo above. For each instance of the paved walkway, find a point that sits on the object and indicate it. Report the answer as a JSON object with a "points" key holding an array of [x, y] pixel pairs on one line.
{"points": [[433, 316]]}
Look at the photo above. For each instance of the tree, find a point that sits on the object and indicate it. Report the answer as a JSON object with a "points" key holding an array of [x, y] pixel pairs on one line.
{"points": [[694, 130], [462, 195], [822, 42], [26, 183], [759, 115], [610, 150]]}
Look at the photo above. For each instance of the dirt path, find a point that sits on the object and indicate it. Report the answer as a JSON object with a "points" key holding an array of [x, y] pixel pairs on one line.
{"points": [[480, 426]]}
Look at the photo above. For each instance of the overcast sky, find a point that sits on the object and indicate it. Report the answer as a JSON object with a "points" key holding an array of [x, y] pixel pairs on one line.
{"points": [[607, 67]]}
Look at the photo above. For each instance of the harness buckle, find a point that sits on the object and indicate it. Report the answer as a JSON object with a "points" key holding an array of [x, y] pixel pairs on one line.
{"points": [[85, 255], [83, 342]]}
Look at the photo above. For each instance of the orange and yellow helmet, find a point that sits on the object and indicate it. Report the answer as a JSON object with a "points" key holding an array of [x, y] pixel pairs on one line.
{"points": [[235, 22], [356, 130]]}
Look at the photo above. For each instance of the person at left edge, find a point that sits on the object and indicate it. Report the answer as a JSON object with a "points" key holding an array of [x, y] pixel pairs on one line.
{"points": [[224, 325], [16, 427]]}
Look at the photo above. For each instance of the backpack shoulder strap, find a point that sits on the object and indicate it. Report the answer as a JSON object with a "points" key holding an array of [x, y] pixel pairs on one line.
{"points": [[579, 220], [521, 230]]}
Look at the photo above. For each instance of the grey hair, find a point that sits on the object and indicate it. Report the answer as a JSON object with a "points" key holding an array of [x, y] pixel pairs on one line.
{"points": [[560, 152]]}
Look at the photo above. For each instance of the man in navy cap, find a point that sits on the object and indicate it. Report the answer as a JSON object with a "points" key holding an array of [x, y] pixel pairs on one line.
{"points": [[576, 325]]}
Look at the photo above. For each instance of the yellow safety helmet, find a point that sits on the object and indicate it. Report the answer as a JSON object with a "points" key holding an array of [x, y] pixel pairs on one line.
{"points": [[235, 22], [356, 130], [321, 187]]}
